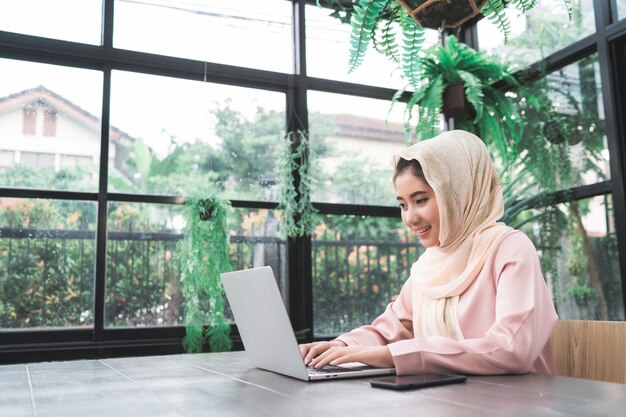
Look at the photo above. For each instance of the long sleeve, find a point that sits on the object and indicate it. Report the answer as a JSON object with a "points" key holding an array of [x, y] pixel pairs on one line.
{"points": [[506, 317]]}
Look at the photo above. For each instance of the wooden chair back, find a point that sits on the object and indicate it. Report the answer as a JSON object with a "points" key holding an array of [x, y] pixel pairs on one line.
{"points": [[590, 349]]}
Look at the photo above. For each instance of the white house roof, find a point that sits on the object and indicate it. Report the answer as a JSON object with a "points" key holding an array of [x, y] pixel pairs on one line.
{"points": [[42, 95]]}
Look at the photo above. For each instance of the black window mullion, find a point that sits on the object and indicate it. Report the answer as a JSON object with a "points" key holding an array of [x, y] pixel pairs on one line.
{"points": [[101, 229], [107, 23], [613, 90], [299, 248]]}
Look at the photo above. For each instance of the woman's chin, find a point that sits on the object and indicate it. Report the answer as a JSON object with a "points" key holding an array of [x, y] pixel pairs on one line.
{"points": [[428, 243]]}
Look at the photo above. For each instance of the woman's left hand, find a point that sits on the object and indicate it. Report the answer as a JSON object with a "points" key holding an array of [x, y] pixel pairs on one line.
{"points": [[377, 356]]}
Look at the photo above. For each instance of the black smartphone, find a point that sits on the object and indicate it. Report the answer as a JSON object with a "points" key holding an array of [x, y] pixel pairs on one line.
{"points": [[416, 381]]}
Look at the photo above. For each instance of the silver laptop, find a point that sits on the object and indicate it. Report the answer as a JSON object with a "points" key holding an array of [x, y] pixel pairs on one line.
{"points": [[266, 331]]}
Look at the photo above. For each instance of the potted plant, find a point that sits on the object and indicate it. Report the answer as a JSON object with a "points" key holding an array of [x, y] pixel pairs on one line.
{"points": [[458, 81], [203, 253], [396, 27]]}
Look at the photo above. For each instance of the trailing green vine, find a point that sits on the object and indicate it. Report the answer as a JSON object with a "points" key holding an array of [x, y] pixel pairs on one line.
{"points": [[299, 215], [203, 252]]}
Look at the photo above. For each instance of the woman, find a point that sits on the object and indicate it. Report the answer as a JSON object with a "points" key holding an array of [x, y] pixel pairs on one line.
{"points": [[476, 301]]}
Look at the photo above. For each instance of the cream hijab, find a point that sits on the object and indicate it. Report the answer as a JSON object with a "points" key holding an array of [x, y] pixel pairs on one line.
{"points": [[458, 167]]}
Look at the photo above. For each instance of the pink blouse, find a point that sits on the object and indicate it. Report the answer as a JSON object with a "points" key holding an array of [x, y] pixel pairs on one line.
{"points": [[506, 316]]}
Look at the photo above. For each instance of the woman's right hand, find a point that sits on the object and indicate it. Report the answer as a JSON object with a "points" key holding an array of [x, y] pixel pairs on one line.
{"points": [[312, 350]]}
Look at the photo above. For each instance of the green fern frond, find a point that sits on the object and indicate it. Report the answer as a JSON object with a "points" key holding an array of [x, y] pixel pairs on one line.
{"points": [[464, 56], [505, 125], [192, 342], [524, 5], [494, 11], [395, 99], [408, 113], [429, 109], [509, 114], [568, 7], [489, 70], [428, 67], [364, 20], [491, 132], [413, 38], [387, 45], [473, 92]]}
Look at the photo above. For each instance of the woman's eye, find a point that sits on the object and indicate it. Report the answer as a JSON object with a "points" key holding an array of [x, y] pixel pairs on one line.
{"points": [[403, 206], [421, 201]]}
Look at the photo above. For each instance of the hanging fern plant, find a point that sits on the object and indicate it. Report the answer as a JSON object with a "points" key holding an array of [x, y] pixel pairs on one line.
{"points": [[386, 24], [203, 252], [493, 113], [295, 194]]}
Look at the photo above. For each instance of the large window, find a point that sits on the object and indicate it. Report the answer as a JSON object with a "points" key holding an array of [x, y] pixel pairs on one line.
{"points": [[47, 263], [114, 112], [144, 285], [68, 20], [540, 32], [360, 265], [566, 157], [353, 143], [620, 6], [328, 37], [44, 119], [251, 33], [194, 138], [578, 252]]}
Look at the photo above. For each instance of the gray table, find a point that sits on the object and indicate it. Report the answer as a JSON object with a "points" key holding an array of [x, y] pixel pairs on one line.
{"points": [[224, 384]]}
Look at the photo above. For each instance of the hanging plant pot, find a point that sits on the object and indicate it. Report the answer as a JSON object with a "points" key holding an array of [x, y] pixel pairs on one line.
{"points": [[439, 14], [203, 253], [455, 102], [553, 133]]}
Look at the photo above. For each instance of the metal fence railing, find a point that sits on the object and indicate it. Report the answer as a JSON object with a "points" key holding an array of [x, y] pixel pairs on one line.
{"points": [[47, 276]]}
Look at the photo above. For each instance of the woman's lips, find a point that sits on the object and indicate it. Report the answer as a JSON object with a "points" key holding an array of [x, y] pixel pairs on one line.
{"points": [[423, 230]]}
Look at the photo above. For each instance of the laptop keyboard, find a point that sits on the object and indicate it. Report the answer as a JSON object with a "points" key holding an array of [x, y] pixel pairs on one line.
{"points": [[329, 369]]}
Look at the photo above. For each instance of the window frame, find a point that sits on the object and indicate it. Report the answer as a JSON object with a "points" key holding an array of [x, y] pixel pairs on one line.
{"points": [[37, 345]]}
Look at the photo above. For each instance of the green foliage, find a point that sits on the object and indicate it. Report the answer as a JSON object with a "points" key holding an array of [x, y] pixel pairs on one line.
{"points": [[360, 263], [143, 161], [392, 32], [229, 165], [412, 40], [143, 285], [23, 176], [496, 118], [204, 255], [359, 180], [364, 21], [494, 11], [372, 21], [46, 277], [299, 216], [385, 42], [581, 293], [341, 12]]}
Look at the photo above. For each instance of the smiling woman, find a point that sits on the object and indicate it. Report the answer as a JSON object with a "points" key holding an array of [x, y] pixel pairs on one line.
{"points": [[418, 203], [476, 301]]}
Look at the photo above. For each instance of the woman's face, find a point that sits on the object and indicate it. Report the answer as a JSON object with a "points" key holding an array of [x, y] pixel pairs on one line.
{"points": [[419, 207]]}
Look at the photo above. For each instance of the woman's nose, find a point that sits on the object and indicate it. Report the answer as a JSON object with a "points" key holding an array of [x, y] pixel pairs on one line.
{"points": [[413, 216]]}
